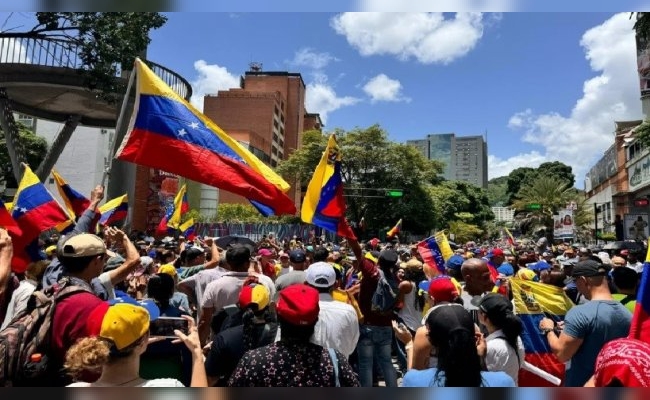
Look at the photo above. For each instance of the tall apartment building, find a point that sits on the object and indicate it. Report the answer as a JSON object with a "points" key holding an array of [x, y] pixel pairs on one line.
{"points": [[465, 157], [266, 113]]}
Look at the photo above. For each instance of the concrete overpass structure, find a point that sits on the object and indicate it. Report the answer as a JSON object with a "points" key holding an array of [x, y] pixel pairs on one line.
{"points": [[43, 77]]}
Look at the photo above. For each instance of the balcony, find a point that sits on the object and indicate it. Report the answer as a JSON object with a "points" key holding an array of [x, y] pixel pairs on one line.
{"points": [[42, 78]]}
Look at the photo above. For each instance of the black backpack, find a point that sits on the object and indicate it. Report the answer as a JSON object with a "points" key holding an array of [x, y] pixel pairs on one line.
{"points": [[25, 342]]}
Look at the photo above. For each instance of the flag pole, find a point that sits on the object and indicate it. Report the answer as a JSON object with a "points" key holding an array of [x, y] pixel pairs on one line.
{"points": [[129, 86]]}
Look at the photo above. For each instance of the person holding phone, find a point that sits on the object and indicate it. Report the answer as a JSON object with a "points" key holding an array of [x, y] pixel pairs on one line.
{"points": [[119, 335]]}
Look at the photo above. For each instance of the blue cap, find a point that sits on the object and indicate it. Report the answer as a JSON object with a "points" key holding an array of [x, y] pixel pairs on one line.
{"points": [[539, 266], [455, 262], [148, 304]]}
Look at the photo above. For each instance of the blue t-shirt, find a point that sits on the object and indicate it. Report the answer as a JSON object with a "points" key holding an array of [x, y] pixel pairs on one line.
{"points": [[428, 378], [596, 322], [506, 269]]}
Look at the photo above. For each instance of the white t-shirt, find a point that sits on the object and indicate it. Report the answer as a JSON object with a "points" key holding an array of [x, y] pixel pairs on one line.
{"points": [[500, 356], [163, 382]]}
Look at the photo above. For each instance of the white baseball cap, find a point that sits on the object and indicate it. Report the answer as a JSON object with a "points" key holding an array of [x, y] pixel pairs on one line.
{"points": [[320, 274]]}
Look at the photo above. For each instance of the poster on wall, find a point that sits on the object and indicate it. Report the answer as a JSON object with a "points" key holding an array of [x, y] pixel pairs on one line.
{"points": [[563, 224], [636, 226]]}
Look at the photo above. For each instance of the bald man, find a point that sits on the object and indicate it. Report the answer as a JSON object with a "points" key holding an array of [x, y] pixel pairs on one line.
{"points": [[477, 281]]}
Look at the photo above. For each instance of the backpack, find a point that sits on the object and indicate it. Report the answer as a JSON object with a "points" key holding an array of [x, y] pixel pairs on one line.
{"points": [[384, 299], [29, 334]]}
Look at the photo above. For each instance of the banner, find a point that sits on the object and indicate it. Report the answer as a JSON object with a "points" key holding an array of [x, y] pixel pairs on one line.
{"points": [[563, 224], [533, 301]]}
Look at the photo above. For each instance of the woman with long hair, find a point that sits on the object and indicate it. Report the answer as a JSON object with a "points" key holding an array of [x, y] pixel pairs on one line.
{"points": [[505, 350], [119, 335], [451, 331]]}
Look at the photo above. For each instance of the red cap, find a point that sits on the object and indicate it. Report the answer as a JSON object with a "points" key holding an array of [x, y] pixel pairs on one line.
{"points": [[298, 305], [443, 289], [496, 252]]}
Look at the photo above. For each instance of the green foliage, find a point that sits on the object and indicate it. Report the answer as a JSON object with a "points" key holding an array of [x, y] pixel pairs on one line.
{"points": [[193, 213], [607, 236], [370, 160], [525, 177], [238, 213], [35, 149], [456, 200], [642, 26], [105, 42], [464, 232], [497, 191], [642, 133]]}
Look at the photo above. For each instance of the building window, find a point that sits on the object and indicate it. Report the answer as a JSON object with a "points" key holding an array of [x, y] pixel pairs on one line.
{"points": [[274, 163]]}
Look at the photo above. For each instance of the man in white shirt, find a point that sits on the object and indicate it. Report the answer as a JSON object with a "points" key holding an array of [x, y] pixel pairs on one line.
{"points": [[337, 325]]}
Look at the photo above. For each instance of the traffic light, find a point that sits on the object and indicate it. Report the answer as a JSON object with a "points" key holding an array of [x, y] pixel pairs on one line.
{"points": [[394, 193]]}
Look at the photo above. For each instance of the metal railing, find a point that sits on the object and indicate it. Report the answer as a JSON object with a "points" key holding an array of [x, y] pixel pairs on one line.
{"points": [[60, 53]]}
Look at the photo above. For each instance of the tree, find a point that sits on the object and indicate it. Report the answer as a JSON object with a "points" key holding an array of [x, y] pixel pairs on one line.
{"points": [[642, 26], [561, 172], [457, 200], [551, 197], [238, 213], [464, 232], [516, 180], [35, 148], [104, 41], [497, 191], [371, 161]]}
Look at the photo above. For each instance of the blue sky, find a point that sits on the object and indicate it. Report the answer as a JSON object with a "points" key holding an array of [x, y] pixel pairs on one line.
{"points": [[544, 86]]}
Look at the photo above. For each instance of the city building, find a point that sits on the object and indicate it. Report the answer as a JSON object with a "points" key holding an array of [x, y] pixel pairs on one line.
{"points": [[465, 157], [503, 214], [267, 114]]}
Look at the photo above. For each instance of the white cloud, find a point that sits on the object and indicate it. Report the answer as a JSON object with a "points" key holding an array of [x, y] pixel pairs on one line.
{"points": [[211, 78], [321, 98], [427, 37], [438, 5], [307, 57], [383, 88], [580, 138], [499, 167]]}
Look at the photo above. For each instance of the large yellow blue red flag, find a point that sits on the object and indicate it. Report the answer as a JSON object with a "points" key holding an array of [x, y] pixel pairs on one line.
{"points": [[114, 210], [533, 301], [324, 204], [35, 210], [168, 133]]}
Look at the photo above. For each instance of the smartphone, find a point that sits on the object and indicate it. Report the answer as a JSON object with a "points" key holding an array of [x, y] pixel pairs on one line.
{"points": [[165, 326]]}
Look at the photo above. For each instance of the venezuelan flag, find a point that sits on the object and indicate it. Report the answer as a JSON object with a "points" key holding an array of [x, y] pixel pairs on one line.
{"points": [[640, 327], [169, 134], [75, 202], [395, 230], [34, 210], [431, 254], [114, 210], [7, 222], [181, 206], [324, 204], [532, 300], [188, 229], [445, 247]]}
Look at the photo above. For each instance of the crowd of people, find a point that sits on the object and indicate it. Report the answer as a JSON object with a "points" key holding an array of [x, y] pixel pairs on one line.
{"points": [[283, 312]]}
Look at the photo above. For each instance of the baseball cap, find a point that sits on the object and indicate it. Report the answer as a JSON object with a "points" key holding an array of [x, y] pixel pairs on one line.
{"points": [[527, 275], [50, 250], [495, 305], [297, 256], [455, 262], [589, 268], [168, 269], [298, 305], [320, 274], [83, 245], [447, 320], [372, 256], [440, 288], [388, 258], [122, 321], [254, 294], [539, 266], [265, 253], [413, 264], [495, 253], [283, 255]]}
